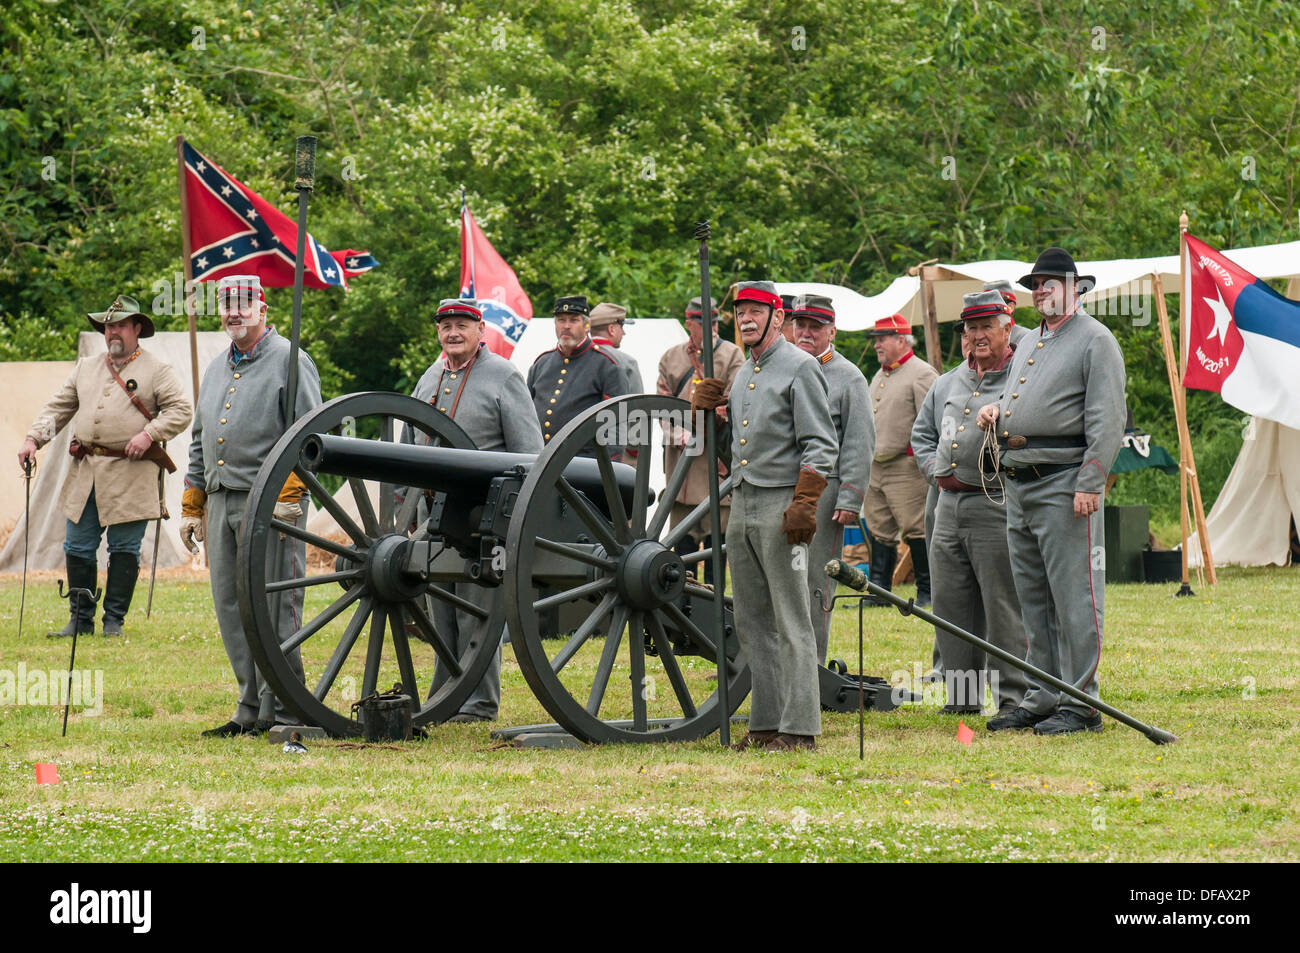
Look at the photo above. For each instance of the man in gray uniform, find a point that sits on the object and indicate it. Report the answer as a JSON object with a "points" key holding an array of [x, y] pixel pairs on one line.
{"points": [[574, 376], [607, 323], [240, 416], [927, 426], [850, 400], [1059, 421], [782, 453], [973, 586], [487, 397]]}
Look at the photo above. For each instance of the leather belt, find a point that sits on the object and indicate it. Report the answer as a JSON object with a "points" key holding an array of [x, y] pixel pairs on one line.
{"points": [[155, 453], [1017, 442], [1027, 473], [959, 487]]}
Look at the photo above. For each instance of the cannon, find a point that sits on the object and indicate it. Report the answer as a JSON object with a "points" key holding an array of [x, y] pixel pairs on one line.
{"points": [[610, 628], [578, 546]]}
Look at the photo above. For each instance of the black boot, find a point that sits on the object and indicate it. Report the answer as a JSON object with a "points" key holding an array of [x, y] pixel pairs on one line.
{"points": [[82, 574], [921, 567], [881, 571], [123, 569]]}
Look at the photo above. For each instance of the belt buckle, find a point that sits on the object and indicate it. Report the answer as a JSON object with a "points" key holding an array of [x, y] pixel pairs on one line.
{"points": [[97, 451], [1011, 472]]}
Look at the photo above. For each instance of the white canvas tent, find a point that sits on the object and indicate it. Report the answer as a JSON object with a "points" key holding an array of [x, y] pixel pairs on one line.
{"points": [[1250, 522], [48, 522], [1119, 276]]}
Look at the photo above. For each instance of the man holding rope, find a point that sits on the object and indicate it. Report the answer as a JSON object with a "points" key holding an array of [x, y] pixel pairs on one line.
{"points": [[973, 586], [1058, 422]]}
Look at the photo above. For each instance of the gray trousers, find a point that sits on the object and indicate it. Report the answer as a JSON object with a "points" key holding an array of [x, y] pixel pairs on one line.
{"points": [[769, 580], [932, 501], [460, 630], [826, 545], [1058, 563], [973, 588], [225, 513]]}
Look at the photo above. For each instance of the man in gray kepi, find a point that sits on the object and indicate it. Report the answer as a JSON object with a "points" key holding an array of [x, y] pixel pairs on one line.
{"points": [[850, 403], [484, 394], [1059, 421], [973, 586], [240, 416], [782, 453]]}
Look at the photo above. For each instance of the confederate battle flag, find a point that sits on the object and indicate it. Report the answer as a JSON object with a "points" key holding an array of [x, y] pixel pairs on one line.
{"points": [[1243, 338], [234, 231], [485, 277]]}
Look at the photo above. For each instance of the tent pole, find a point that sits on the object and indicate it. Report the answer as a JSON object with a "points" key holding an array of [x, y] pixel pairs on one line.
{"points": [[1186, 458], [931, 320]]}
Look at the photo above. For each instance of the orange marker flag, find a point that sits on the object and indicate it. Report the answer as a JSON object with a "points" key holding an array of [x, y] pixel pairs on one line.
{"points": [[46, 773], [964, 734]]}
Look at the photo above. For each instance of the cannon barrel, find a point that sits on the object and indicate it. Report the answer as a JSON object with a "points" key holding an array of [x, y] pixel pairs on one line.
{"points": [[461, 474]]}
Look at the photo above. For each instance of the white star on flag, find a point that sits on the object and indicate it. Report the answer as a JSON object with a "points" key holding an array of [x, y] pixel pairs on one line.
{"points": [[352, 262], [226, 190], [228, 252], [202, 262], [329, 272], [1222, 317], [255, 243], [202, 167], [251, 213]]}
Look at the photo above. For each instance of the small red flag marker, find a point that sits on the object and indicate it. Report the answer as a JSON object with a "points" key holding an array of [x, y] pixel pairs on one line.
{"points": [[964, 734], [46, 773]]}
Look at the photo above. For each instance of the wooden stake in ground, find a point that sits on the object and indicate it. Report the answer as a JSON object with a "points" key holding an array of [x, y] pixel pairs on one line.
{"points": [[931, 320], [1186, 458]]}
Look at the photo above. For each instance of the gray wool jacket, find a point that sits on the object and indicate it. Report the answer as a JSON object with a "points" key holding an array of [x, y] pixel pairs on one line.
{"points": [[855, 434], [494, 409], [1066, 382], [240, 413], [945, 437], [780, 418]]}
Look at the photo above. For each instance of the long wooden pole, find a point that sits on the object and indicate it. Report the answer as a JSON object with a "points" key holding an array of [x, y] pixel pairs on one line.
{"points": [[1187, 459], [931, 320], [190, 308]]}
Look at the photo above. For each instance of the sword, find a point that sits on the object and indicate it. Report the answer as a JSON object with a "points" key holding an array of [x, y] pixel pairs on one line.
{"points": [[77, 594], [27, 532], [157, 534]]}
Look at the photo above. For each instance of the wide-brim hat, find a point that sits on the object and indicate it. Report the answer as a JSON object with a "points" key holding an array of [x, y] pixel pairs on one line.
{"points": [[605, 314], [814, 307], [695, 309], [573, 304], [763, 292], [458, 308], [894, 324], [122, 308], [984, 304], [1057, 263]]}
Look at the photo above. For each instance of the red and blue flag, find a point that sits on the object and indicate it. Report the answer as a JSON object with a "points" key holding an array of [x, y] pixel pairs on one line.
{"points": [[234, 231], [1243, 338], [486, 278]]}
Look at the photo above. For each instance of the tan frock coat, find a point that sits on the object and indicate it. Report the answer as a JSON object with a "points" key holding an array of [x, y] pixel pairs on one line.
{"points": [[102, 413]]}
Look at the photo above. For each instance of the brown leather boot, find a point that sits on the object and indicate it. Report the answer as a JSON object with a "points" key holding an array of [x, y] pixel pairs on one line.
{"points": [[784, 742], [755, 739]]}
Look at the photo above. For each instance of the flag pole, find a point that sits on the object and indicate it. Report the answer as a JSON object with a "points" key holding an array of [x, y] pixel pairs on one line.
{"points": [[1186, 458], [190, 305]]}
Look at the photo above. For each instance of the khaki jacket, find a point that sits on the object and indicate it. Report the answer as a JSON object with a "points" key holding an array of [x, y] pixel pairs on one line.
{"points": [[677, 378], [897, 394], [102, 413]]}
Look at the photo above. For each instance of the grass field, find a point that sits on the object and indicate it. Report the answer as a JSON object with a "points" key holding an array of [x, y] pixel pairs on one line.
{"points": [[1220, 670]]}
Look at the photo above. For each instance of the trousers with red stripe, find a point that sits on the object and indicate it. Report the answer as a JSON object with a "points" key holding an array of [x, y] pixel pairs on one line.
{"points": [[1058, 562]]}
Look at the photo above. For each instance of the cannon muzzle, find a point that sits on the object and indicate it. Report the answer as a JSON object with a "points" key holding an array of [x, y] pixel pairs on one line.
{"points": [[464, 475]]}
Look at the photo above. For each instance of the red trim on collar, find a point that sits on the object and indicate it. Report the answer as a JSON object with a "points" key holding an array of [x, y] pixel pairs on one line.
{"points": [[828, 356], [606, 341], [900, 362]]}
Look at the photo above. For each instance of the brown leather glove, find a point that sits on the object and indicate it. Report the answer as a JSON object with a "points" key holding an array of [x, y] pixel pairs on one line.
{"points": [[709, 394], [799, 522]]}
